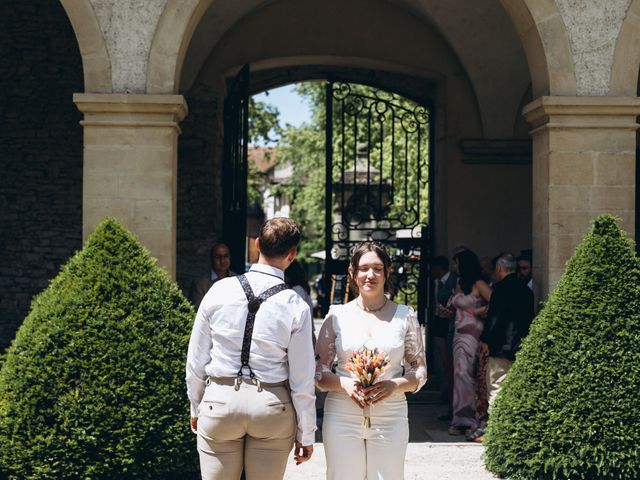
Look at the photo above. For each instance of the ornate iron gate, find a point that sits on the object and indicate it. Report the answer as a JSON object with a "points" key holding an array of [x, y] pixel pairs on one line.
{"points": [[235, 168], [377, 186]]}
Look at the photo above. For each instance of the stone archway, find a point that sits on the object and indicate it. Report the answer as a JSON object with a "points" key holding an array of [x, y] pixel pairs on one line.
{"points": [[460, 87], [95, 58], [626, 60], [199, 181], [170, 42], [546, 44], [544, 36]]}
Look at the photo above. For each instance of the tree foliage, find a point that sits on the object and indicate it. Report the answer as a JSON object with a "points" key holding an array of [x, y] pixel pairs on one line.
{"points": [[93, 385], [304, 148], [264, 122], [264, 128], [569, 406]]}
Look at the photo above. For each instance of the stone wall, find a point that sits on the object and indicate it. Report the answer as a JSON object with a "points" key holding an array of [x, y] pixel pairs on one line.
{"points": [[40, 153], [199, 184]]}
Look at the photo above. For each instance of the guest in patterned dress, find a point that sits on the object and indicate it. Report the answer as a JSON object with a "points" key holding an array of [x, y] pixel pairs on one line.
{"points": [[470, 301]]}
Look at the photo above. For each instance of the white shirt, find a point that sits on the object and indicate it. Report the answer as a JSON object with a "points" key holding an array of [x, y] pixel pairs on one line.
{"points": [[281, 347], [348, 328]]}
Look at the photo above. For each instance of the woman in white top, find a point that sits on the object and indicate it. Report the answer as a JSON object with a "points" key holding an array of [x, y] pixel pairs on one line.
{"points": [[375, 449]]}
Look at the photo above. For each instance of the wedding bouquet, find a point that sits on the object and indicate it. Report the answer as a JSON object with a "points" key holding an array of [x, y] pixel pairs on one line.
{"points": [[366, 365]]}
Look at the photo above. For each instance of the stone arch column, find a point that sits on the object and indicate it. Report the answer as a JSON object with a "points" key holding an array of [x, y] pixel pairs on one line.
{"points": [[170, 42], [130, 166], [95, 57], [130, 140], [546, 44], [626, 58], [583, 142]]}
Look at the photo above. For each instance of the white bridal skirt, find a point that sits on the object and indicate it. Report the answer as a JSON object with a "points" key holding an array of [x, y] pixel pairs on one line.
{"points": [[358, 452]]}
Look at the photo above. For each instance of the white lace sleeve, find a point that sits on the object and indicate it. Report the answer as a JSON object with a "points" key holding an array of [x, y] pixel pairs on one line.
{"points": [[325, 348], [414, 357]]}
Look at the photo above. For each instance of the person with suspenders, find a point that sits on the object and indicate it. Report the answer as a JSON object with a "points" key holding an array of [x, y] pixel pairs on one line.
{"points": [[250, 367]]}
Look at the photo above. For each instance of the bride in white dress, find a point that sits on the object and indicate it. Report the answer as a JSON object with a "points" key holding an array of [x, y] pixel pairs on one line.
{"points": [[374, 449]]}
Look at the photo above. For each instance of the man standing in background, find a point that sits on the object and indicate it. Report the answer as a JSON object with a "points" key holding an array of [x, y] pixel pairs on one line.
{"points": [[220, 261], [508, 320], [441, 327]]}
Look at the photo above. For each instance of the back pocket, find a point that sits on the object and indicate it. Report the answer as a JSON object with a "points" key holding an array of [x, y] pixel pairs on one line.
{"points": [[213, 408]]}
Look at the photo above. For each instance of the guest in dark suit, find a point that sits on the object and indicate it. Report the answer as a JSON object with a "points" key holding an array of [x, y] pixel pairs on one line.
{"points": [[441, 325], [220, 261], [508, 319]]}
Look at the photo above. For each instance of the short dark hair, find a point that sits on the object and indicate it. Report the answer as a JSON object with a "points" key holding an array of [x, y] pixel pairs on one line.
{"points": [[440, 261], [278, 236], [380, 250], [522, 257], [214, 248], [295, 275]]}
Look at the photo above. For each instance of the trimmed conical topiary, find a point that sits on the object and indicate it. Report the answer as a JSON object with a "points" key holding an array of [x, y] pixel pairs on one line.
{"points": [[570, 406], [93, 385]]}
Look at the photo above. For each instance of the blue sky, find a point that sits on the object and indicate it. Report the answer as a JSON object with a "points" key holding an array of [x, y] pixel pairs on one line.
{"points": [[293, 109]]}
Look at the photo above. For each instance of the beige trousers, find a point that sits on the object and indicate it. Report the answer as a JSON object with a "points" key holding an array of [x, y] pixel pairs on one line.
{"points": [[497, 369], [248, 428]]}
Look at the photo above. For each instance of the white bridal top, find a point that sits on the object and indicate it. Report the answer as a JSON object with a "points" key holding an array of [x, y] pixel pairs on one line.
{"points": [[348, 328]]}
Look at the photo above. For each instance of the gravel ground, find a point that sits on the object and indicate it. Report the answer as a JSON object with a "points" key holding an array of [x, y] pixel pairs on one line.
{"points": [[432, 454], [424, 461]]}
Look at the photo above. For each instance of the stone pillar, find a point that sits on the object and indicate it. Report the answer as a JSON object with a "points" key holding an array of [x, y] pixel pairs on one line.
{"points": [[130, 166], [583, 165]]}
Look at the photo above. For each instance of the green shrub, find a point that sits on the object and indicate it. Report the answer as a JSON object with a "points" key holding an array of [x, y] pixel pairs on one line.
{"points": [[570, 406], [93, 385]]}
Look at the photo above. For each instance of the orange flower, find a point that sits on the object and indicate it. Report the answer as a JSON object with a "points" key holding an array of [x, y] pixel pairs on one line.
{"points": [[366, 365]]}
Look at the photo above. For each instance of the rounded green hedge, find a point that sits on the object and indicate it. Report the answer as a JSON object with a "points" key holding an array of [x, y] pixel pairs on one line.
{"points": [[570, 406], [93, 385]]}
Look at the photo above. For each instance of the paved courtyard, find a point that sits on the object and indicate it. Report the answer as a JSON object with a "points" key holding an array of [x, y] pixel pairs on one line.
{"points": [[424, 461], [432, 453]]}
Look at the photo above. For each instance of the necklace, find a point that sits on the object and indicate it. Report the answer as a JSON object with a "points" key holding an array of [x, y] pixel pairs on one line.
{"points": [[372, 310]]}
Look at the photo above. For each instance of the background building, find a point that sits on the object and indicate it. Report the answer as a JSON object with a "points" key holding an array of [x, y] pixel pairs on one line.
{"points": [[533, 104]]}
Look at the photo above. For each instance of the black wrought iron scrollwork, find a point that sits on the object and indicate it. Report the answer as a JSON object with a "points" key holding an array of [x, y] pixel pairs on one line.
{"points": [[354, 105], [408, 218], [381, 108], [340, 231], [341, 90], [421, 114], [379, 163]]}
